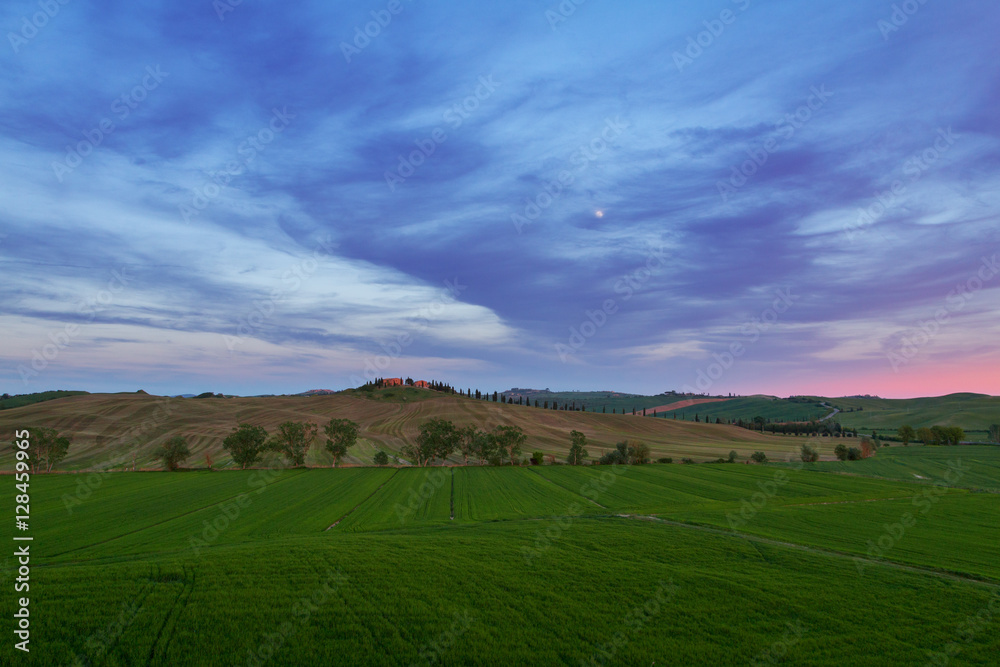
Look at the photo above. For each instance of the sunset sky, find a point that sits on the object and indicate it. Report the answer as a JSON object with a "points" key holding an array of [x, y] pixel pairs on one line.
{"points": [[735, 196]]}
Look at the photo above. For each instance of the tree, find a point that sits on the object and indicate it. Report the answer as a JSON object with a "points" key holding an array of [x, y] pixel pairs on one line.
{"points": [[47, 448], [955, 435], [808, 454], [381, 458], [483, 447], [577, 448], [759, 457], [245, 444], [733, 456], [840, 451], [173, 452], [868, 448], [906, 434], [438, 438], [925, 435], [293, 440], [995, 433], [468, 438], [341, 435], [509, 439], [854, 454], [638, 453], [538, 457]]}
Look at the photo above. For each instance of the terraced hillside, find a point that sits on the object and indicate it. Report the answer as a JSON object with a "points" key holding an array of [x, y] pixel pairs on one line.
{"points": [[104, 426]]}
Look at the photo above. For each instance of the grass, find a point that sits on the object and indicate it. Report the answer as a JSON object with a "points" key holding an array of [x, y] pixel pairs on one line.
{"points": [[980, 465], [462, 594], [530, 571]]}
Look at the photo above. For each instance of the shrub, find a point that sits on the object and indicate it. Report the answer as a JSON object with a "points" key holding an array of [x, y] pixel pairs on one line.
{"points": [[759, 457], [733, 456], [173, 452], [687, 461], [665, 459], [537, 458], [853, 454], [840, 451], [381, 458], [808, 454]]}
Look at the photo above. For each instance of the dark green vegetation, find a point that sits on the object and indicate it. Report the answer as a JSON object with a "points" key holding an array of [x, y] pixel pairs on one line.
{"points": [[20, 400], [973, 412], [664, 564]]}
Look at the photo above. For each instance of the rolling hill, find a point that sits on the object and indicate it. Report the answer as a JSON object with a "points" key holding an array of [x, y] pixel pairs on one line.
{"points": [[102, 426]]}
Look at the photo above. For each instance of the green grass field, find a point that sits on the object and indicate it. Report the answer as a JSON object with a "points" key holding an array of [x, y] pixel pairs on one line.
{"points": [[542, 565]]}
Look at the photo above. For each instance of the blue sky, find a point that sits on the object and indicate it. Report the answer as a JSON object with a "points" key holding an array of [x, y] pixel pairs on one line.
{"points": [[731, 196]]}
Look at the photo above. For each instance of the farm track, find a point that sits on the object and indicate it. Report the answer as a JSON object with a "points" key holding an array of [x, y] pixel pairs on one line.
{"points": [[566, 489], [180, 603], [160, 523], [332, 525], [941, 574]]}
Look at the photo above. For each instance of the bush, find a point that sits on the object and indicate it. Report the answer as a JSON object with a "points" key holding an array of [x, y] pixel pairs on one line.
{"points": [[853, 454], [537, 458], [687, 461], [173, 452], [808, 454], [733, 456], [381, 458], [759, 457], [840, 451], [665, 459]]}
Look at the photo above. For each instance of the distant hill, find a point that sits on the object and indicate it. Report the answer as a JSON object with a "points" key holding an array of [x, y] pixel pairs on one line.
{"points": [[20, 400], [102, 425], [973, 412]]}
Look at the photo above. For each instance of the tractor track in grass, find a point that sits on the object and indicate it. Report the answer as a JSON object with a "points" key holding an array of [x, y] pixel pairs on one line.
{"points": [[367, 498], [160, 523], [933, 572], [575, 493], [180, 603]]}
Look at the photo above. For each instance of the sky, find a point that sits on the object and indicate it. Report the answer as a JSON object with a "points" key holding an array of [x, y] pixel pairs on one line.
{"points": [[731, 196]]}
